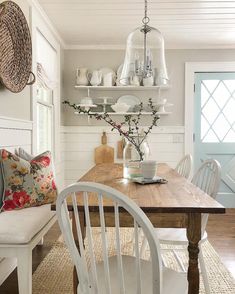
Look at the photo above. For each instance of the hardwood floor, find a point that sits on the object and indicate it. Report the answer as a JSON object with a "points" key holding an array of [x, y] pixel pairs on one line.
{"points": [[221, 234], [220, 228]]}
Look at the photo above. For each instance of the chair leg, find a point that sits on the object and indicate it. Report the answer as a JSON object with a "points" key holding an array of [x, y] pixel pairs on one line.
{"points": [[204, 272], [24, 271]]}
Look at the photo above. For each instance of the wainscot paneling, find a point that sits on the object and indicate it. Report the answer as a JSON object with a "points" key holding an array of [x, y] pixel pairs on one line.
{"points": [[15, 133], [59, 165], [78, 143]]}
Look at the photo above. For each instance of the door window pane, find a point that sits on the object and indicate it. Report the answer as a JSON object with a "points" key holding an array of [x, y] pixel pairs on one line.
{"points": [[217, 111], [46, 93], [230, 137]]}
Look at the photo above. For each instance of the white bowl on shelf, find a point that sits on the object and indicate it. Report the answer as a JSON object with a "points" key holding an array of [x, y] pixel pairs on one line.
{"points": [[120, 107], [87, 106], [87, 101]]}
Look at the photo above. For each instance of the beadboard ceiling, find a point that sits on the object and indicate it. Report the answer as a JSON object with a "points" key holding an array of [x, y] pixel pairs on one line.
{"points": [[106, 23]]}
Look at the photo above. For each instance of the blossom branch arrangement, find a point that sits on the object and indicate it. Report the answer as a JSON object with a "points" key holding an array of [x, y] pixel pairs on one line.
{"points": [[129, 128]]}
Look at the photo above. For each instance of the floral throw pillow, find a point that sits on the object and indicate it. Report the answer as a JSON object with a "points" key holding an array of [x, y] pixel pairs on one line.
{"points": [[27, 183]]}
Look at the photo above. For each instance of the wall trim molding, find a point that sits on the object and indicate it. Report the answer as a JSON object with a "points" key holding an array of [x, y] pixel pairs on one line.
{"points": [[15, 123], [190, 69], [94, 47], [123, 47], [100, 129]]}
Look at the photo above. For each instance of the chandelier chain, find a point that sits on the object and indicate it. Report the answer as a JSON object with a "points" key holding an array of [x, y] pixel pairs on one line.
{"points": [[146, 19]]}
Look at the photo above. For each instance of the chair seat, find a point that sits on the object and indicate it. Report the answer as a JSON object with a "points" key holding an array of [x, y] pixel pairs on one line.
{"points": [[170, 277], [20, 226], [172, 235]]}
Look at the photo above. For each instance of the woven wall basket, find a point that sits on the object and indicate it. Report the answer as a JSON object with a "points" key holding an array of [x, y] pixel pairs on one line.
{"points": [[15, 48]]}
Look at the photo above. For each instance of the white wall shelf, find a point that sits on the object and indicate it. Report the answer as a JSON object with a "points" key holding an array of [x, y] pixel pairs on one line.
{"points": [[126, 113], [121, 88], [126, 88]]}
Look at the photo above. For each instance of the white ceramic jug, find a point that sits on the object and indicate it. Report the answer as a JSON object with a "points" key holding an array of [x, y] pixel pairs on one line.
{"points": [[108, 79], [148, 81], [81, 77], [95, 78], [134, 81]]}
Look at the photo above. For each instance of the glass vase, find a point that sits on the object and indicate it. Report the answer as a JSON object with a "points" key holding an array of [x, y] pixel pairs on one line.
{"points": [[132, 157]]}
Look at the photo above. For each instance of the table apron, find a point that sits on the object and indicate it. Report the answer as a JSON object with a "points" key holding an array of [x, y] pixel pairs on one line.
{"points": [[160, 220]]}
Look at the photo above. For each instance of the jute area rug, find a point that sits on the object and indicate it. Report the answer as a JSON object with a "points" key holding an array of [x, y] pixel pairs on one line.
{"points": [[54, 274]]}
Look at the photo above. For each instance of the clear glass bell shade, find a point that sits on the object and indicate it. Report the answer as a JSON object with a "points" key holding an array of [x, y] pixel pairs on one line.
{"points": [[145, 58]]}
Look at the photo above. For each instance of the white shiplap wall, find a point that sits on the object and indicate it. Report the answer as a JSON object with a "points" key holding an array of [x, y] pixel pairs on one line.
{"points": [[15, 133], [166, 145]]}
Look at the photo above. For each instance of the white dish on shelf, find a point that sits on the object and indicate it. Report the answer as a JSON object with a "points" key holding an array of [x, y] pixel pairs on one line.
{"points": [[87, 101], [130, 100], [106, 70], [87, 106], [120, 107], [161, 106]]}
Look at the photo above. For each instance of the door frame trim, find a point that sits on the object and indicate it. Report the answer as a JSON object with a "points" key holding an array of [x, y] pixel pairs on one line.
{"points": [[190, 69]]}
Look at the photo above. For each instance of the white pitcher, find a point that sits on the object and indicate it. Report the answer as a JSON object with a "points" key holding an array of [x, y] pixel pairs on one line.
{"points": [[134, 81], [148, 81], [81, 76], [95, 78], [108, 79]]}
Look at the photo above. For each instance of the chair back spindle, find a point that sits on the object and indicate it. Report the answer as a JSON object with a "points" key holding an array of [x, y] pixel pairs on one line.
{"points": [[184, 166], [118, 248], [88, 268], [207, 178]]}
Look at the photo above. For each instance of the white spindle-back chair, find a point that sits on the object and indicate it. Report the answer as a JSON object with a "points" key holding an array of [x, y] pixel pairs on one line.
{"points": [[118, 274], [207, 178], [184, 166]]}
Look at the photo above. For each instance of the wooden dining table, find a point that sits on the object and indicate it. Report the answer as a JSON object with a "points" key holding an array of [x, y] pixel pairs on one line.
{"points": [[176, 204]]}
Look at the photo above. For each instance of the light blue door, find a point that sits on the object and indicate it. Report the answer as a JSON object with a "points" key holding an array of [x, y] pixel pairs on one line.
{"points": [[214, 127]]}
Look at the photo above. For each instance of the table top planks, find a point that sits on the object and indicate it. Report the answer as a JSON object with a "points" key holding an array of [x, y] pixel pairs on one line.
{"points": [[177, 196]]}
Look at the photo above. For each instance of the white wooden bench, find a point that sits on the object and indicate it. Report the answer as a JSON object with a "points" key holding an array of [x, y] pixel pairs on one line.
{"points": [[20, 232]]}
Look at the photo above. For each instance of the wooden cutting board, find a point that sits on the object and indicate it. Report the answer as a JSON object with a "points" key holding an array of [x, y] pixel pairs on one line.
{"points": [[104, 153]]}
